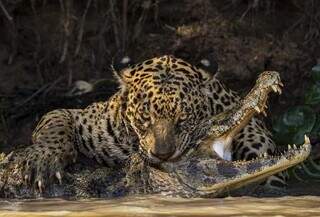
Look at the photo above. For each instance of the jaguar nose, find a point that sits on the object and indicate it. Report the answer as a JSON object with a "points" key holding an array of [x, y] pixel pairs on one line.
{"points": [[163, 153], [163, 140]]}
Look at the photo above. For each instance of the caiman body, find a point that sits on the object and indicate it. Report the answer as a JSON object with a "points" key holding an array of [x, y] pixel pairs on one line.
{"points": [[192, 177]]}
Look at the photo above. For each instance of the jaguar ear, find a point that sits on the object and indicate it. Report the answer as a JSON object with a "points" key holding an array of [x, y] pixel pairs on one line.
{"points": [[206, 76], [120, 68], [121, 78], [209, 64]]}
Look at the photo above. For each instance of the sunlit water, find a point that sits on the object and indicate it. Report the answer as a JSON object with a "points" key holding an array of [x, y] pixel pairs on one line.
{"points": [[164, 206]]}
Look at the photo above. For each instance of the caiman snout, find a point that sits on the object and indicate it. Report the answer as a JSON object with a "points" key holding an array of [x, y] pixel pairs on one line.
{"points": [[164, 145]]}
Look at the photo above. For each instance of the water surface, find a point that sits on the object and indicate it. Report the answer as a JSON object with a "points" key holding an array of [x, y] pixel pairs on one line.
{"points": [[165, 206]]}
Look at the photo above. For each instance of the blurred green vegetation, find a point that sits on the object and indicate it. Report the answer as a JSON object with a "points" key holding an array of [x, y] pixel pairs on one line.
{"points": [[299, 120]]}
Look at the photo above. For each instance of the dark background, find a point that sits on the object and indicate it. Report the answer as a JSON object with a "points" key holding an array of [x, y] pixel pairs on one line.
{"points": [[47, 45]]}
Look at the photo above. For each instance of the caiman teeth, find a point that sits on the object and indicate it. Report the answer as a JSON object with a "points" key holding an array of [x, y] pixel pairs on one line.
{"points": [[306, 139], [289, 147], [280, 84], [265, 155], [257, 109], [274, 88], [58, 175], [264, 113], [294, 146], [40, 186], [26, 177]]}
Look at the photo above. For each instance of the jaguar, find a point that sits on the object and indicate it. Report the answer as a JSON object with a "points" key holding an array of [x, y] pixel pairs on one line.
{"points": [[157, 112]]}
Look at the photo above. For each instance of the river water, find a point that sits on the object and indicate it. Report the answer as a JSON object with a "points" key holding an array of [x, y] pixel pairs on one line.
{"points": [[165, 206]]}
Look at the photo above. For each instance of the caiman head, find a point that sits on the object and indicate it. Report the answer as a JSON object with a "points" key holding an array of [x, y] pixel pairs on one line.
{"points": [[202, 177]]}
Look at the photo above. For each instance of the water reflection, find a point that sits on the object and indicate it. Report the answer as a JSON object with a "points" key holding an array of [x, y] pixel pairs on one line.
{"points": [[163, 206]]}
